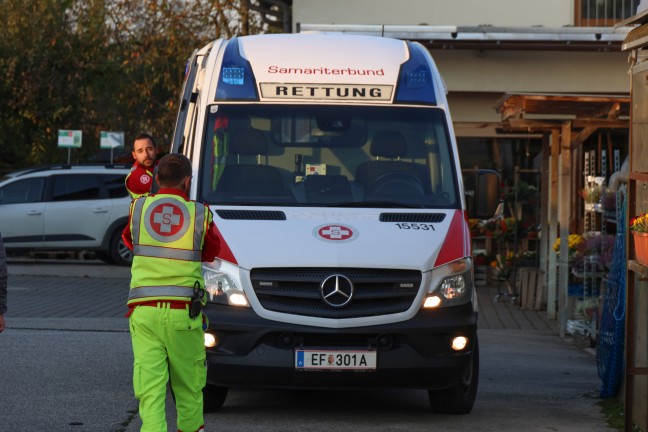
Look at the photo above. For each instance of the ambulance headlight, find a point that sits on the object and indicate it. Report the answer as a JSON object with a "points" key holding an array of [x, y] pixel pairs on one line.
{"points": [[451, 285], [223, 284]]}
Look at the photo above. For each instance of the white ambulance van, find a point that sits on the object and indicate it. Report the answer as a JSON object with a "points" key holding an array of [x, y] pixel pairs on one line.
{"points": [[332, 171]]}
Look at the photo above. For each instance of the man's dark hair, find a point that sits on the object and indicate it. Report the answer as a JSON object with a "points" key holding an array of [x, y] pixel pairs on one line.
{"points": [[141, 136], [172, 169]]}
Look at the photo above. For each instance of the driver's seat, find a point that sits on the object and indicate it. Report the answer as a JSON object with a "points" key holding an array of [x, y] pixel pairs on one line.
{"points": [[389, 145]]}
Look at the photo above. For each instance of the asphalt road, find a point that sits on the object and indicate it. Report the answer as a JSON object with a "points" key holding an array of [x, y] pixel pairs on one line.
{"points": [[66, 366]]}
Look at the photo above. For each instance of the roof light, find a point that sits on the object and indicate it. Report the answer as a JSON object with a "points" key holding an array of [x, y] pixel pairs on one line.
{"points": [[415, 80], [237, 80]]}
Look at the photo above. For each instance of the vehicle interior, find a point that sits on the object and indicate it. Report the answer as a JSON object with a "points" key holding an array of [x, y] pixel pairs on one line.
{"points": [[328, 155]]}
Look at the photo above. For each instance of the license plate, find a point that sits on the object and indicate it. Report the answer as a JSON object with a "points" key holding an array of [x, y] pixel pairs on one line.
{"points": [[358, 360]]}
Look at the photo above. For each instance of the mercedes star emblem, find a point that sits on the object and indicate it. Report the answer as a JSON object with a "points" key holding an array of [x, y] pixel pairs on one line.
{"points": [[336, 290]]}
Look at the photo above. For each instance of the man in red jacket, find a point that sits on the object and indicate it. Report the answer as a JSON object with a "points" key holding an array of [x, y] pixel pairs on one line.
{"points": [[140, 179]]}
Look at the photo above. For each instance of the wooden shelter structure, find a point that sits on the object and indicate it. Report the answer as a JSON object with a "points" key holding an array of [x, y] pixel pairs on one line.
{"points": [[566, 122], [636, 324]]}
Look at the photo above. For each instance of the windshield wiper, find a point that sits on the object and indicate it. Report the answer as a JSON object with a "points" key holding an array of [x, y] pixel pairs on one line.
{"points": [[248, 203]]}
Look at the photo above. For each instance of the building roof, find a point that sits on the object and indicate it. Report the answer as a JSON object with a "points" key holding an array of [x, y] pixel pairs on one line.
{"points": [[541, 112], [470, 37]]}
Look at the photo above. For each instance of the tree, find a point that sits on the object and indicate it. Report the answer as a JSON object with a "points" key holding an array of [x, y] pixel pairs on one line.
{"points": [[99, 65]]}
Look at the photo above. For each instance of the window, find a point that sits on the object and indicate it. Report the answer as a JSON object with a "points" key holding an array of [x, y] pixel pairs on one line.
{"points": [[309, 155], [76, 187], [115, 185], [22, 191], [603, 13]]}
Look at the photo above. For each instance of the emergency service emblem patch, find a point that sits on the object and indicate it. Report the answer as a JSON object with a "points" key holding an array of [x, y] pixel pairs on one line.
{"points": [[336, 233], [145, 178], [166, 220]]}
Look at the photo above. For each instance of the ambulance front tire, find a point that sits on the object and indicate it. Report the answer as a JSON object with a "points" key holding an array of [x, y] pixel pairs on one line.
{"points": [[213, 398], [460, 398]]}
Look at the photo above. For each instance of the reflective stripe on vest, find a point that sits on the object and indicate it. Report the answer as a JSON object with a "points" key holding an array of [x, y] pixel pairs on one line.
{"points": [[160, 291], [162, 252]]}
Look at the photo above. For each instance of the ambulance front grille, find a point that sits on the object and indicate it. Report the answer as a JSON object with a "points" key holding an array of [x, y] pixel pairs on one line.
{"points": [[297, 291], [412, 217]]}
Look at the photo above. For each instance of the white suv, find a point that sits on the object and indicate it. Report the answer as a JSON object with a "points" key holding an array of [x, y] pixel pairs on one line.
{"points": [[67, 207]]}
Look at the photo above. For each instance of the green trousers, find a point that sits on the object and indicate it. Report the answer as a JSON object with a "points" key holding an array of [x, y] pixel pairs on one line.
{"points": [[167, 344]]}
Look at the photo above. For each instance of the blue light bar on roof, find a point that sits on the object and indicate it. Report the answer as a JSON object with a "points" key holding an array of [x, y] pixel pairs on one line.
{"points": [[236, 80], [415, 79]]}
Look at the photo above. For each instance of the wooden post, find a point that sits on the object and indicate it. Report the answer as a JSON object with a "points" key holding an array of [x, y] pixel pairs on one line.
{"points": [[545, 171], [553, 224], [564, 216]]}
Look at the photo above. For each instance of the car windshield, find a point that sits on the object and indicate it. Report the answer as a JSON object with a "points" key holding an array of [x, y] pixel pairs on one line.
{"points": [[340, 156]]}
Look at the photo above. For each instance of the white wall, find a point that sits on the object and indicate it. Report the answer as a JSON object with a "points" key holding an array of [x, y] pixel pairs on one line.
{"points": [[475, 81], [533, 71], [511, 13]]}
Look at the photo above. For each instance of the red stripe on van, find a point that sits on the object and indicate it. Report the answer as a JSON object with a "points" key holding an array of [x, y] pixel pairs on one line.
{"points": [[454, 245], [225, 252]]}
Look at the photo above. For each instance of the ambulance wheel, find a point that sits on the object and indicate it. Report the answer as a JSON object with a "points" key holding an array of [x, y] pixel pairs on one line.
{"points": [[460, 398], [118, 253], [213, 398]]}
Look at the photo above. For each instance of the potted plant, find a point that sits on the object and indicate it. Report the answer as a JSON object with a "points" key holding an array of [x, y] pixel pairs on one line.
{"points": [[475, 227], [639, 229]]}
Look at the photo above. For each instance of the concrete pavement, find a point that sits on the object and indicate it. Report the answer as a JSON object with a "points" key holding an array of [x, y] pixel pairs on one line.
{"points": [[68, 349]]}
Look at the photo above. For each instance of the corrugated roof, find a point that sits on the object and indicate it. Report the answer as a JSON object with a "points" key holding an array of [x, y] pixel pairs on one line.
{"points": [[470, 36]]}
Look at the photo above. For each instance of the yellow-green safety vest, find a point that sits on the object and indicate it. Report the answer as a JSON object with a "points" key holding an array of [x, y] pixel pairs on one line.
{"points": [[168, 235]]}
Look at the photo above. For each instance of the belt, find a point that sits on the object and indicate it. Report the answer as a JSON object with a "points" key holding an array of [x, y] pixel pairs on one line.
{"points": [[155, 303]]}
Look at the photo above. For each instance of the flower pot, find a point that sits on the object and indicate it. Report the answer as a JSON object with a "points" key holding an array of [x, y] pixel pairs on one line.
{"points": [[641, 247]]}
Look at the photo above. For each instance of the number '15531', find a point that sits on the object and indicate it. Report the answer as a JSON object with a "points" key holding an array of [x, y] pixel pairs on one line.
{"points": [[415, 226]]}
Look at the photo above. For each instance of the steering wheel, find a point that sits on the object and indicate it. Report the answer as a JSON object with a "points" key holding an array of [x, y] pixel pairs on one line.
{"points": [[397, 183]]}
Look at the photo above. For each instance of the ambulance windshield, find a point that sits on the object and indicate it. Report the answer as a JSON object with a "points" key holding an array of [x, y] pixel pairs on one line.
{"points": [[325, 155]]}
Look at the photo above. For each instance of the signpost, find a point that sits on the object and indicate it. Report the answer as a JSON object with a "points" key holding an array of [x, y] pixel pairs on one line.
{"points": [[69, 139], [111, 140]]}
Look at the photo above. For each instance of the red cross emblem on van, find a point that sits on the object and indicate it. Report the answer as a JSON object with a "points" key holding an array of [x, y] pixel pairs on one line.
{"points": [[337, 232]]}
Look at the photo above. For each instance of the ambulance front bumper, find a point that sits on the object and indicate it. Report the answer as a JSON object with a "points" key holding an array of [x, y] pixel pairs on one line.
{"points": [[254, 352]]}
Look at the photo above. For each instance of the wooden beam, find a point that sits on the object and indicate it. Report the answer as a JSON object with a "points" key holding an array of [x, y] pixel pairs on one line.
{"points": [[614, 111], [563, 220], [545, 242], [553, 224], [548, 125], [600, 123], [513, 111], [582, 136], [531, 125]]}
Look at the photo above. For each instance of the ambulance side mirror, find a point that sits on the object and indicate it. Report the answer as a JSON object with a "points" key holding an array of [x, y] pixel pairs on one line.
{"points": [[483, 194]]}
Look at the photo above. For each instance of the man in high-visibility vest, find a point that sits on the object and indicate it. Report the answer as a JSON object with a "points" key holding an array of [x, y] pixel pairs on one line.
{"points": [[140, 179], [170, 236]]}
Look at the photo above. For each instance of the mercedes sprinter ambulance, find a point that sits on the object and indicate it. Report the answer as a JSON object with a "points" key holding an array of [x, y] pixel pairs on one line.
{"points": [[331, 168]]}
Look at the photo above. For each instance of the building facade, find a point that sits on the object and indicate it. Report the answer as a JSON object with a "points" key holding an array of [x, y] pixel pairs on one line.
{"points": [[538, 90]]}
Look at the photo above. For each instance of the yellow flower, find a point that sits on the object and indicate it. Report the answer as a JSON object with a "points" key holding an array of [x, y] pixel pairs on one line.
{"points": [[640, 223], [572, 243]]}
